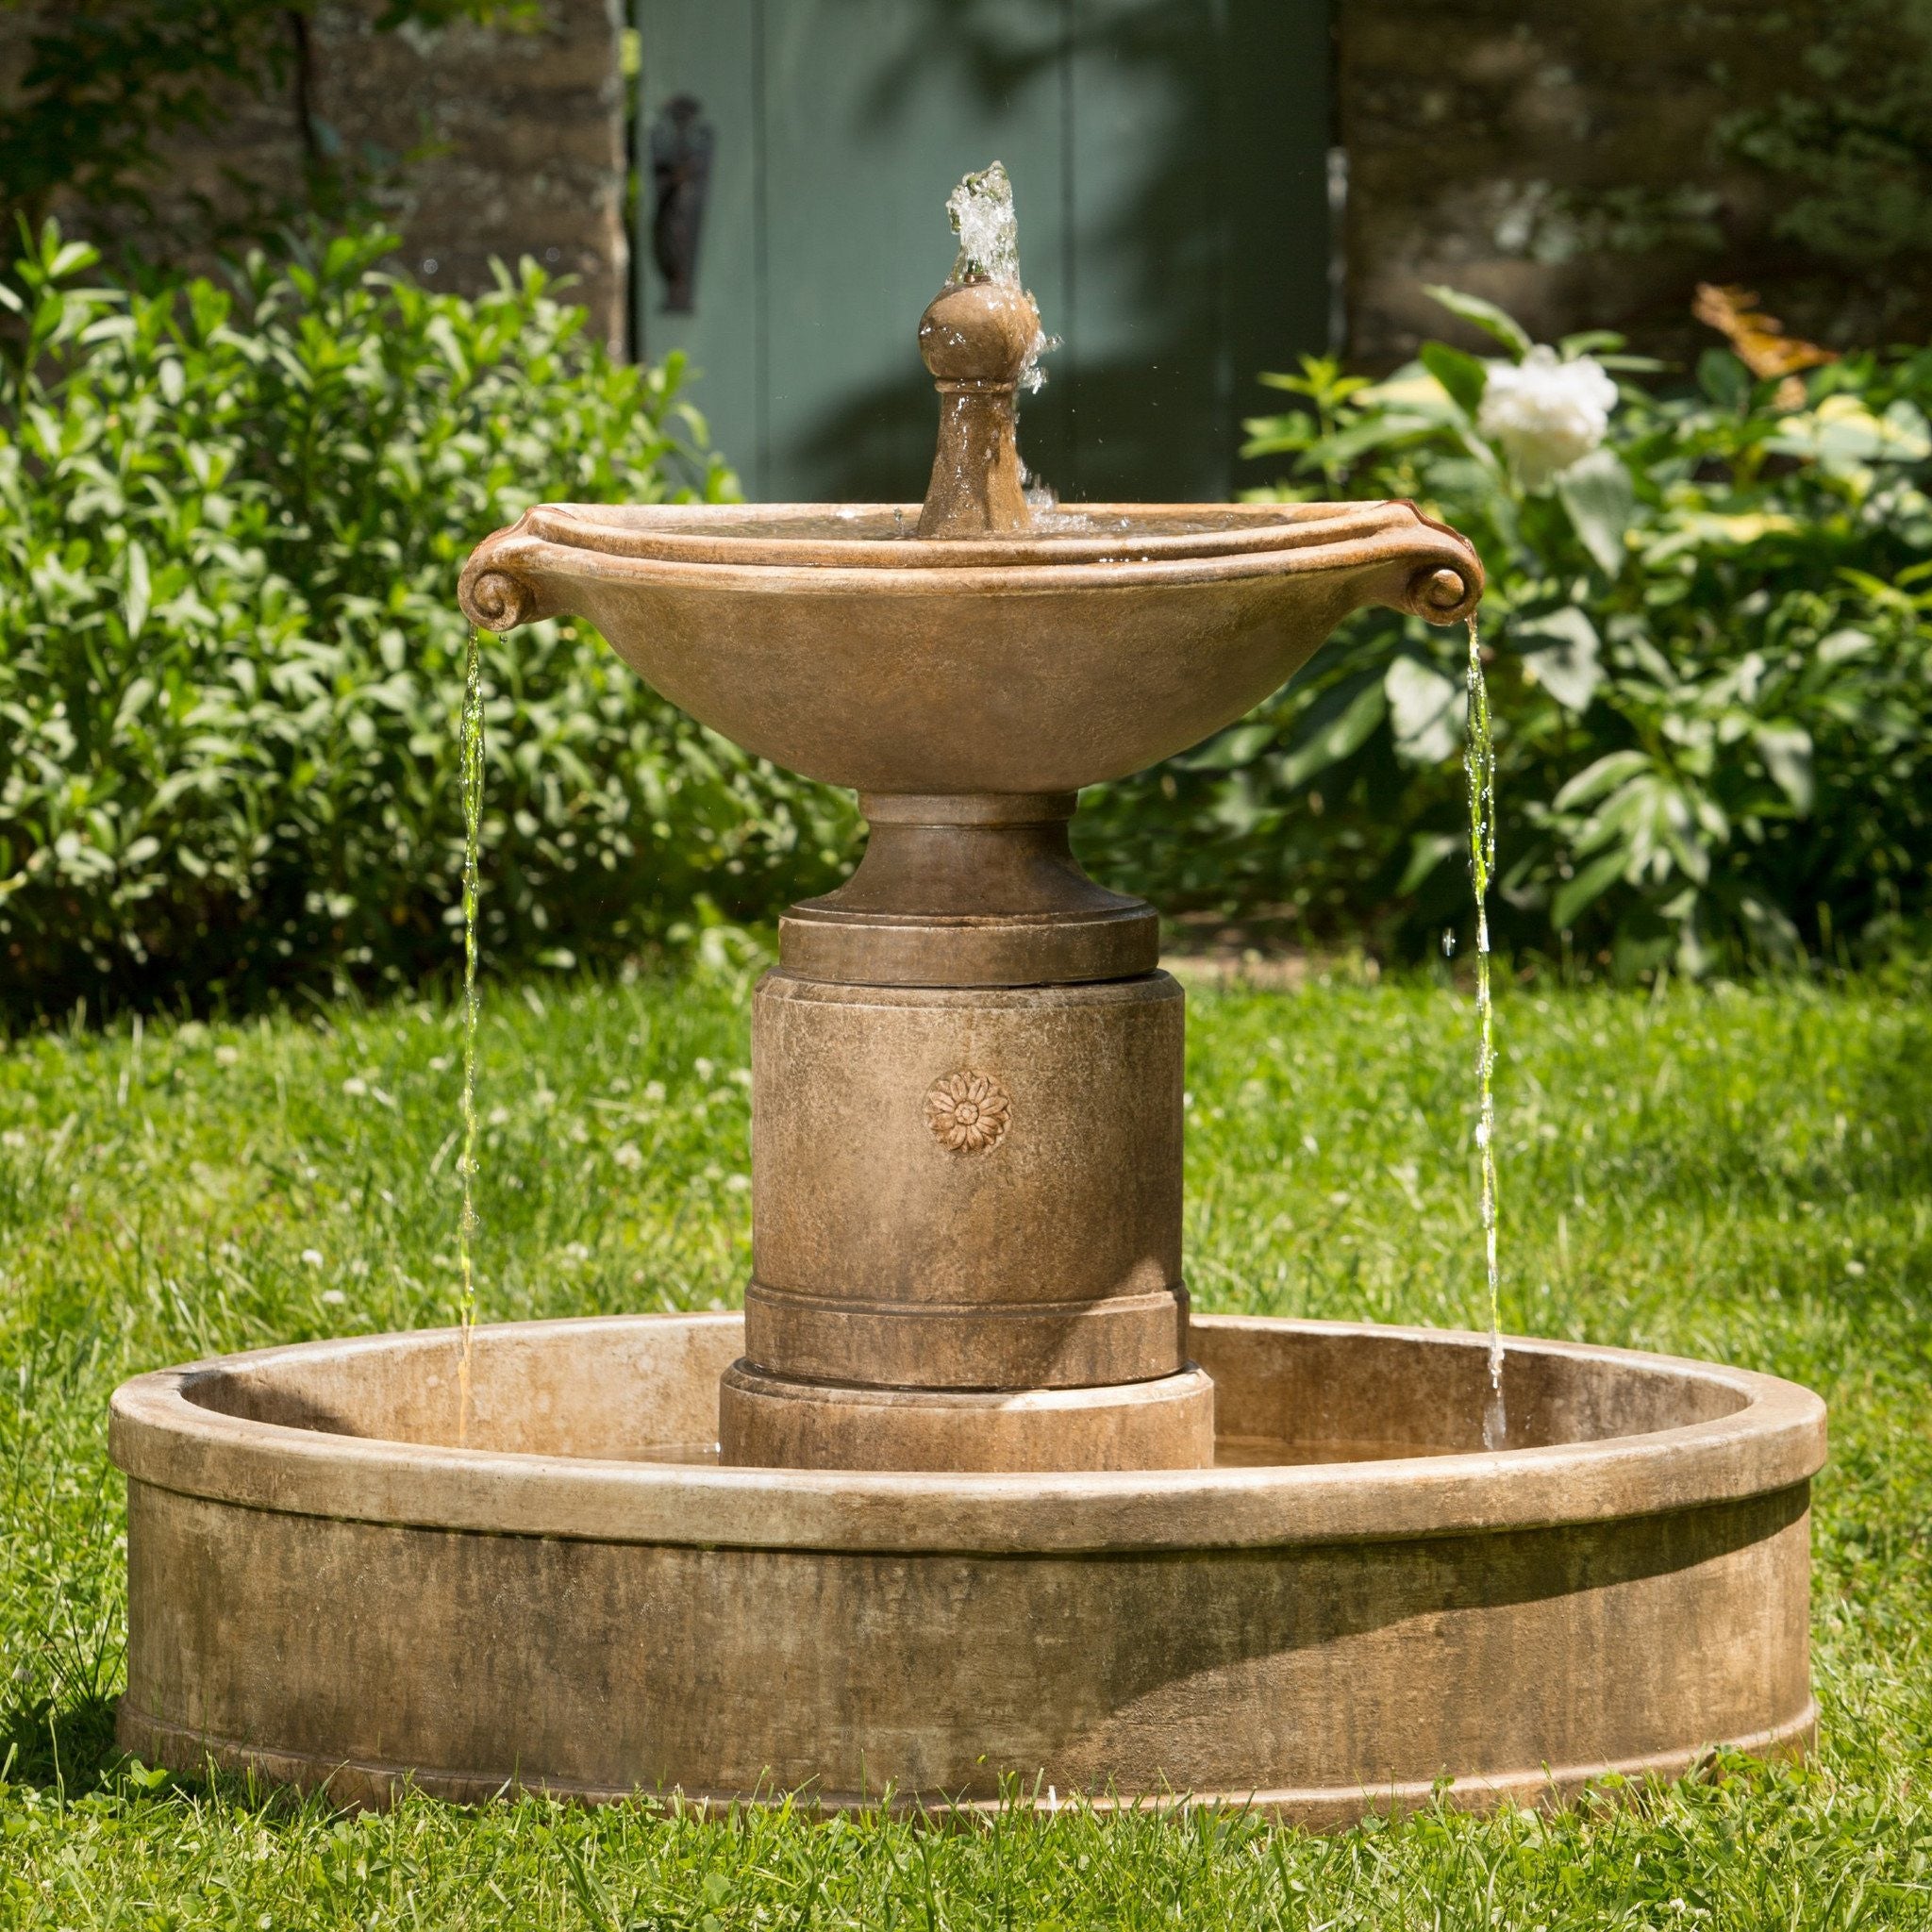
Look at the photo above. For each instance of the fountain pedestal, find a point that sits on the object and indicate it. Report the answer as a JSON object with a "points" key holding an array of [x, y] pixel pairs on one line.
{"points": [[966, 1076], [966, 1166], [966, 1148]]}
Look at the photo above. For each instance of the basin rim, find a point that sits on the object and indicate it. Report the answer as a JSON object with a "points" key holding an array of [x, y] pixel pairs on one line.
{"points": [[1773, 1441], [770, 567], [766, 536]]}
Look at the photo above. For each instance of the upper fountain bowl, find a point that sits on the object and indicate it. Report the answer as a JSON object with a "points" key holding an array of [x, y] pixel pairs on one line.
{"points": [[838, 643]]}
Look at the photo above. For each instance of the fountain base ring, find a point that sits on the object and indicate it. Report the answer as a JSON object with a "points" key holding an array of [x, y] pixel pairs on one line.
{"points": [[323, 1586], [780, 1422], [370, 1783]]}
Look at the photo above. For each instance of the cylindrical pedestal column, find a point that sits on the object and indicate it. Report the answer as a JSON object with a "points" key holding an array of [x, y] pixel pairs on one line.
{"points": [[774, 1422], [966, 1210], [966, 1166], [967, 1189]]}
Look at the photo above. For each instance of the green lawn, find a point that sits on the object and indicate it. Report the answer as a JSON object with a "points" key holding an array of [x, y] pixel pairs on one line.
{"points": [[1744, 1174]]}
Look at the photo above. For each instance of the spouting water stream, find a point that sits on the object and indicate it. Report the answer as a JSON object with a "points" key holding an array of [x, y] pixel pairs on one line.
{"points": [[982, 213], [983, 216], [1479, 769], [470, 768]]}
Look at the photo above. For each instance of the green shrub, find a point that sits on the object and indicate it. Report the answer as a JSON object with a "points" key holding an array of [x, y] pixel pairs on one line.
{"points": [[230, 660], [230, 654], [1710, 643]]}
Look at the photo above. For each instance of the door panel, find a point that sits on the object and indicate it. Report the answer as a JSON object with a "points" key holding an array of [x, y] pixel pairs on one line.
{"points": [[708, 49], [1168, 160], [874, 123], [1146, 320]]}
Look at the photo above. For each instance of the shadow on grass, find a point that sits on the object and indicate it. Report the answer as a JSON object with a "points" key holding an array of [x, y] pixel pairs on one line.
{"points": [[65, 1746]]}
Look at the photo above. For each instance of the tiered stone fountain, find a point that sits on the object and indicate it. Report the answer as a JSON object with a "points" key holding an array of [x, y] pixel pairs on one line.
{"points": [[966, 1515]]}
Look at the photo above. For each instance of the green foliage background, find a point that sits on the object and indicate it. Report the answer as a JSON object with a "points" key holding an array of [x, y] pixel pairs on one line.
{"points": [[230, 655], [1711, 661], [233, 520]]}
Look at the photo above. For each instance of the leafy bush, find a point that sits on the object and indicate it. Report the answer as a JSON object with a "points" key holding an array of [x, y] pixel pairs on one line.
{"points": [[1711, 642], [231, 660], [231, 656]]}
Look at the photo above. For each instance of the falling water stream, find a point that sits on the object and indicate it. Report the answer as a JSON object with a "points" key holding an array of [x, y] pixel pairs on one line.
{"points": [[1479, 768], [470, 769]]}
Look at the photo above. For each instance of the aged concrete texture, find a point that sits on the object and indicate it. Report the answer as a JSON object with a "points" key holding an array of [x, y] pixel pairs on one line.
{"points": [[969, 890], [974, 338], [514, 141], [323, 1586], [890, 664], [966, 1078], [1036, 1244]]}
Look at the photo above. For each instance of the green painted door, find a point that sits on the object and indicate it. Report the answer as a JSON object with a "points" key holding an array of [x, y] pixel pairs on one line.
{"points": [[1169, 163]]}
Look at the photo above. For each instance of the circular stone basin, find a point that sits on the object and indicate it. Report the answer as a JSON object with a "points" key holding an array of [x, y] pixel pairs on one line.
{"points": [[327, 1584], [840, 644]]}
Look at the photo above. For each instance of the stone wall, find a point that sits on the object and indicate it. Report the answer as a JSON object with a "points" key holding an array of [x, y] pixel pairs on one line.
{"points": [[513, 143], [1562, 158], [525, 133]]}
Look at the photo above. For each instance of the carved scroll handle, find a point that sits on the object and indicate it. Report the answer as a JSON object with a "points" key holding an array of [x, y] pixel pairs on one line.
{"points": [[504, 584], [494, 600], [1447, 587]]}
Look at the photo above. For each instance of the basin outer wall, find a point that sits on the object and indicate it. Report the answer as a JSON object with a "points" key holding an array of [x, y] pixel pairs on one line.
{"points": [[915, 669], [1321, 1641]]}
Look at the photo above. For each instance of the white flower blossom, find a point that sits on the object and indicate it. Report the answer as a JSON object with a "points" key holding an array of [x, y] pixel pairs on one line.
{"points": [[1546, 414]]}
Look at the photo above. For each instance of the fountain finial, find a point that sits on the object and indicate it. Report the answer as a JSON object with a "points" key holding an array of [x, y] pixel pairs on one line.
{"points": [[978, 336]]}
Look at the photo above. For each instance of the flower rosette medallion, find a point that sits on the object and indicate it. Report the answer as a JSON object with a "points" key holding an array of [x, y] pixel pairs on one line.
{"points": [[968, 1113]]}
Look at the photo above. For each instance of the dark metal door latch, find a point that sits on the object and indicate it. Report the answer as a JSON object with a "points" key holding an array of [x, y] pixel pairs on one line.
{"points": [[681, 145]]}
